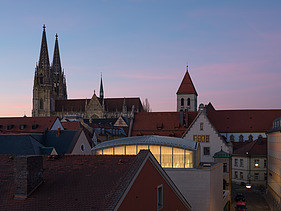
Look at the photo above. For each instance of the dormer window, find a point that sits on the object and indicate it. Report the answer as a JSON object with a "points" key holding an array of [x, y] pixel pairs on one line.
{"points": [[34, 126], [21, 127], [9, 127]]}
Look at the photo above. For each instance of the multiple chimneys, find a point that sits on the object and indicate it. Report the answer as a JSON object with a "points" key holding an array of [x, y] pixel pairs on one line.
{"points": [[28, 172]]}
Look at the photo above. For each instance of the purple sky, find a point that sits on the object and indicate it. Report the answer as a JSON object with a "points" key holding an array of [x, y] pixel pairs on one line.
{"points": [[233, 49]]}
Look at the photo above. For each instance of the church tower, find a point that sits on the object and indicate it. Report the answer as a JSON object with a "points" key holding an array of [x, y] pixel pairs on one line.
{"points": [[43, 101], [49, 81], [186, 94]]}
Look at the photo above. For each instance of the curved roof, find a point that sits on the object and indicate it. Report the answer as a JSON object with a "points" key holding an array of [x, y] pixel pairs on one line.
{"points": [[155, 140], [222, 154]]}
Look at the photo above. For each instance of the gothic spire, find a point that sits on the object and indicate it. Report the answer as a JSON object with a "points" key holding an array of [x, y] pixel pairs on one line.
{"points": [[44, 62], [56, 66], [101, 89]]}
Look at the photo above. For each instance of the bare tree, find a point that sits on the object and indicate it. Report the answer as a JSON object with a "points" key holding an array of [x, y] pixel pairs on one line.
{"points": [[146, 105]]}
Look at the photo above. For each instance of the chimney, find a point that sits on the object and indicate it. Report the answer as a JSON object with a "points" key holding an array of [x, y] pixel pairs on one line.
{"points": [[28, 175], [186, 117], [59, 131], [181, 118]]}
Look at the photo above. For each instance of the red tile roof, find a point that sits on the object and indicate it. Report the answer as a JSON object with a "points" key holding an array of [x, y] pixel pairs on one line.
{"points": [[72, 125], [160, 123], [187, 86], [12, 125], [73, 182], [239, 121], [253, 148]]}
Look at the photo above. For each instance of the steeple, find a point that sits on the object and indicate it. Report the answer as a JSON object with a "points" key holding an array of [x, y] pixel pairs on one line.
{"points": [[56, 66], [187, 86], [101, 89], [44, 62]]}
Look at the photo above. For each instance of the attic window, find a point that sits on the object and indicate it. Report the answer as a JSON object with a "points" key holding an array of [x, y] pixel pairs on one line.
{"points": [[160, 126], [9, 127], [160, 197], [21, 127], [34, 126]]}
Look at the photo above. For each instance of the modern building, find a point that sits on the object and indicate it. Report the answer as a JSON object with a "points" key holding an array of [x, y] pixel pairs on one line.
{"points": [[50, 92], [274, 162], [87, 183]]}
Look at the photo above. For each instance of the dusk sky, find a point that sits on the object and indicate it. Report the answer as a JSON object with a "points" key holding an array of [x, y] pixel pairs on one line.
{"points": [[142, 47]]}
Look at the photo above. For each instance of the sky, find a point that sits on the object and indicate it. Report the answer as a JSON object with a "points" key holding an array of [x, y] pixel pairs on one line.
{"points": [[142, 47]]}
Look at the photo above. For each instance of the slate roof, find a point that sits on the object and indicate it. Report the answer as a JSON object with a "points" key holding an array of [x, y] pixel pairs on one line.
{"points": [[253, 148], [239, 121], [160, 123], [187, 86], [10, 125], [111, 104], [73, 182], [21, 144]]}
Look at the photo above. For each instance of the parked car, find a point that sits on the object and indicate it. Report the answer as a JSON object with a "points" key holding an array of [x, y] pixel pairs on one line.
{"points": [[239, 197], [240, 206]]}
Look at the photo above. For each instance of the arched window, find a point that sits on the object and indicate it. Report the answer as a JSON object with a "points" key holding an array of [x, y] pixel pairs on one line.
{"points": [[250, 138], [182, 102], [188, 101], [41, 104], [232, 138], [241, 138]]}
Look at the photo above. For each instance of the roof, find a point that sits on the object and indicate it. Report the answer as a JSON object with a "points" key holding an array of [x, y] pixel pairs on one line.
{"points": [[187, 86], [73, 182], [161, 123], [10, 125], [156, 140], [257, 147], [111, 104], [21, 144], [239, 121], [221, 154]]}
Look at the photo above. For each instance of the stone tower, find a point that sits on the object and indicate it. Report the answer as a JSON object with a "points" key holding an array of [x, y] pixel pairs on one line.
{"points": [[49, 81], [186, 94]]}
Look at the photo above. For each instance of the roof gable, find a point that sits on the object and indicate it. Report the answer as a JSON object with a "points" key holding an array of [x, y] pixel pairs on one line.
{"points": [[187, 86]]}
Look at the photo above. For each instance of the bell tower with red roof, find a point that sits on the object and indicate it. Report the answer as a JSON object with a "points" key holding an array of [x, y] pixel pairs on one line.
{"points": [[186, 94]]}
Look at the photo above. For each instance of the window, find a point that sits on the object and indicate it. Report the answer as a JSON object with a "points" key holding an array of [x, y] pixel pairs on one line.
{"points": [[203, 138], [241, 175], [206, 150], [182, 102], [241, 138], [236, 162], [256, 176], [235, 174], [232, 138], [188, 101], [224, 167], [250, 138], [82, 147], [241, 163], [201, 126], [265, 176], [257, 163], [41, 104], [199, 138], [22, 127], [264, 163], [194, 138], [159, 197], [207, 138]]}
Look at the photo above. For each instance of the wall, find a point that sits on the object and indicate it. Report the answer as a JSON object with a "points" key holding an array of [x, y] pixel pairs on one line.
{"points": [[82, 140], [143, 193], [202, 187]]}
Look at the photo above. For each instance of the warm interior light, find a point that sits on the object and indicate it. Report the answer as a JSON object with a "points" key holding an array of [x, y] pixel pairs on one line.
{"points": [[256, 165]]}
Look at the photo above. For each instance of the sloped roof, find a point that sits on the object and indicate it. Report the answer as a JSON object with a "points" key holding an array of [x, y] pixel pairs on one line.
{"points": [[42, 124], [257, 147], [238, 121], [21, 144], [160, 123], [187, 86], [73, 182], [221, 154]]}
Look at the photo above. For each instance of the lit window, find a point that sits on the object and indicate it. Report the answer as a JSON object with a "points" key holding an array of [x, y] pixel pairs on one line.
{"points": [[140, 147], [120, 150], [199, 138], [166, 157], [108, 151], [241, 163], [155, 150], [131, 150], [178, 158], [159, 197], [206, 150], [203, 138], [194, 138], [207, 138], [201, 126], [257, 163]]}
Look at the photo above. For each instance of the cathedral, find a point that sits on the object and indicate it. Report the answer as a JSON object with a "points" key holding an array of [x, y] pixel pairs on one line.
{"points": [[50, 93]]}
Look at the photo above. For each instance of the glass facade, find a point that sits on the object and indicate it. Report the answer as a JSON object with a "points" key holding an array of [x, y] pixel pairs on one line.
{"points": [[167, 156]]}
